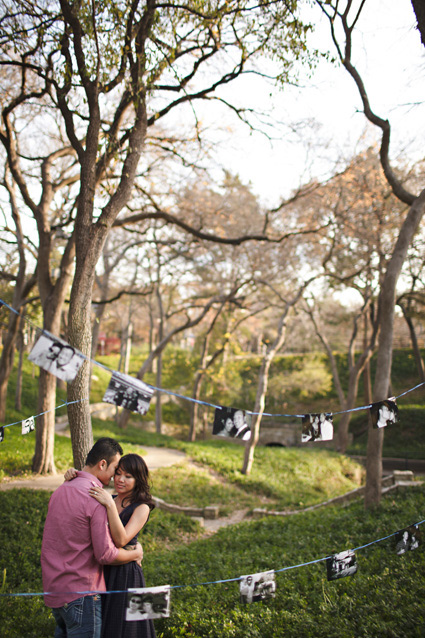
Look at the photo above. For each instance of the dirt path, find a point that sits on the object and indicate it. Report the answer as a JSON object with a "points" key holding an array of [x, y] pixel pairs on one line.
{"points": [[155, 457]]}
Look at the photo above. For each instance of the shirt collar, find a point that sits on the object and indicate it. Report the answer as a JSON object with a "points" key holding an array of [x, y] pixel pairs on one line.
{"points": [[92, 477]]}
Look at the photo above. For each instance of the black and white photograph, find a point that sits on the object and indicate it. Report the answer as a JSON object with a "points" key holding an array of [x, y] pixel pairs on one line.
{"points": [[384, 413], [148, 602], [28, 425], [129, 393], [341, 565], [317, 427], [254, 588], [1, 434], [57, 357], [233, 423], [408, 539]]}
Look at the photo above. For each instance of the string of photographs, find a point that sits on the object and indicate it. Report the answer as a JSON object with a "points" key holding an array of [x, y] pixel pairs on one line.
{"points": [[56, 356], [154, 602], [28, 425]]}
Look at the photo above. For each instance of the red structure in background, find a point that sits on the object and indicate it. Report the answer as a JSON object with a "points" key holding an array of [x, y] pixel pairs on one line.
{"points": [[108, 345]]}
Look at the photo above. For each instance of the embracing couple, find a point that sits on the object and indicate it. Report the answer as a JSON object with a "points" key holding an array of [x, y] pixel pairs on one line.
{"points": [[90, 545]]}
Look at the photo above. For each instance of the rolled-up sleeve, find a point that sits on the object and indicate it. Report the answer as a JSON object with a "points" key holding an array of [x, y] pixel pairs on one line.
{"points": [[104, 549]]}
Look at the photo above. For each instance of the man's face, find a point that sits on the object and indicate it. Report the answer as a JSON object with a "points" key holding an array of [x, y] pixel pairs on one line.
{"points": [[108, 472], [238, 419], [64, 356]]}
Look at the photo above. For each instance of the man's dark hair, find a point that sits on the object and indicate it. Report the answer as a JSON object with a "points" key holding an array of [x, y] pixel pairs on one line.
{"points": [[105, 448]]}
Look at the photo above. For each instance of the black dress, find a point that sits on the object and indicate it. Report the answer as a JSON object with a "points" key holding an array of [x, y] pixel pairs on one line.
{"points": [[123, 577]]}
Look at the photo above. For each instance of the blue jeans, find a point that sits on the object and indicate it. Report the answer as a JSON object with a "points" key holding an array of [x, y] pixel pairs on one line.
{"points": [[81, 618]]}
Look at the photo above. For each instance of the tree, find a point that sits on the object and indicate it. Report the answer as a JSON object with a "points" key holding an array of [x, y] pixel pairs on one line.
{"points": [[23, 284], [347, 17], [364, 221], [412, 300], [107, 73], [285, 306]]}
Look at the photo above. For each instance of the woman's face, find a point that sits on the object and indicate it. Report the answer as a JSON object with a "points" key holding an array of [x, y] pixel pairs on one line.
{"points": [[124, 482], [134, 604]]}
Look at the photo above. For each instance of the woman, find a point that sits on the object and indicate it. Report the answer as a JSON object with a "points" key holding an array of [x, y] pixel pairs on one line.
{"points": [[128, 512]]}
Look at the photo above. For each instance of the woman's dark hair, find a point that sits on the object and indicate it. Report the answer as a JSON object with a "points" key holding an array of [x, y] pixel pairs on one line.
{"points": [[104, 449], [135, 465]]}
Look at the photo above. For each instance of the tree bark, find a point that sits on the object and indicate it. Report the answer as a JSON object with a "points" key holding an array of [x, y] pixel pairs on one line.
{"points": [[385, 346], [194, 406], [20, 293], [43, 459], [415, 345], [18, 391], [7, 360], [263, 380], [355, 369], [89, 246]]}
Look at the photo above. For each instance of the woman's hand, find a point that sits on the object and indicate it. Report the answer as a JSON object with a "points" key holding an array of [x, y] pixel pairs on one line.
{"points": [[70, 474], [102, 496]]}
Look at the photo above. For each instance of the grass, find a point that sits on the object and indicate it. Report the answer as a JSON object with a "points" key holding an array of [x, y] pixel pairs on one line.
{"points": [[281, 478], [384, 599], [21, 528], [405, 439]]}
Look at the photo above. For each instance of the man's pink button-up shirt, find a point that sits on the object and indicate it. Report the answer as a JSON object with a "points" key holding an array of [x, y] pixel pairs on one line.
{"points": [[76, 542]]}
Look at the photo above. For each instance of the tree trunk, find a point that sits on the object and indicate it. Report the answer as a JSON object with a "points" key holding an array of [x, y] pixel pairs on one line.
{"points": [[194, 411], [53, 298], [78, 397], [43, 459], [355, 369], [18, 391], [158, 404], [7, 359], [79, 331], [260, 398], [263, 380], [127, 354], [147, 364], [415, 345], [96, 329], [385, 346]]}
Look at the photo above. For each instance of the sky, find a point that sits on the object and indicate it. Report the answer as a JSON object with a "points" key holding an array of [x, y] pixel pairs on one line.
{"points": [[388, 53]]}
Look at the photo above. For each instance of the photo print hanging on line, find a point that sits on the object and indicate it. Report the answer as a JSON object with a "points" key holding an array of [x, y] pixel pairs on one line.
{"points": [[57, 357], [384, 413], [232, 422], [148, 602], [408, 539], [256, 587], [1, 434], [317, 427], [28, 425], [341, 565], [129, 393]]}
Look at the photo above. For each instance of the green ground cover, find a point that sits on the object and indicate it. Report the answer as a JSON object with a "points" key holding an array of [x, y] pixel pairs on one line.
{"points": [[384, 599], [281, 478]]}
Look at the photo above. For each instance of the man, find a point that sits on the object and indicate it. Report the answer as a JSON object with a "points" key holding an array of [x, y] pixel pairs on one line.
{"points": [[77, 542], [65, 355], [47, 359]]}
